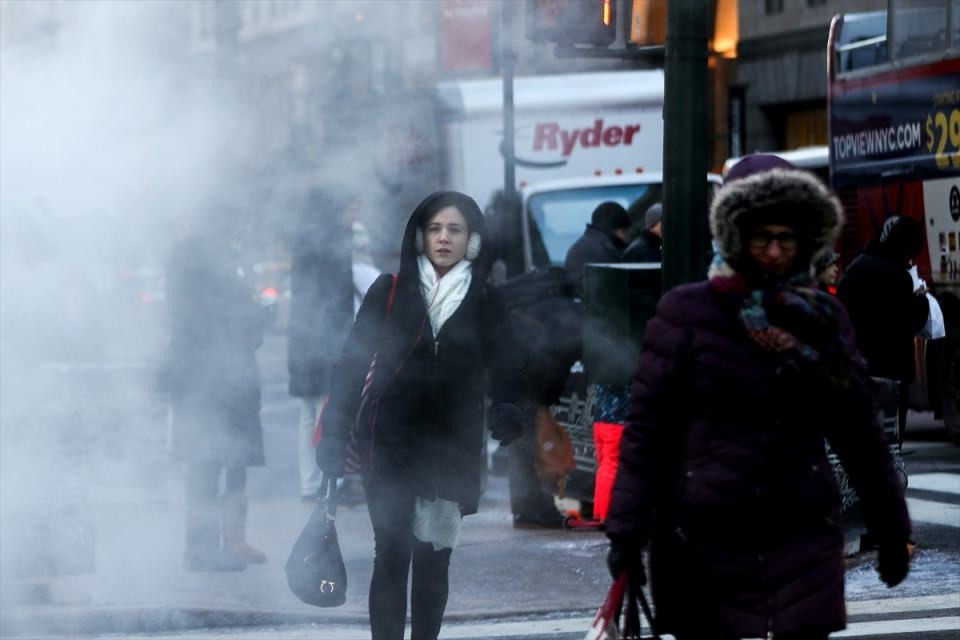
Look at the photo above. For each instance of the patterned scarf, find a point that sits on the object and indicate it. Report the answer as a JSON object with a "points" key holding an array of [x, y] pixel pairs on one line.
{"points": [[812, 341]]}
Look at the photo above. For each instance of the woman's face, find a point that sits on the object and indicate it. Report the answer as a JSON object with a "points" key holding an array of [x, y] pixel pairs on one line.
{"points": [[446, 237], [829, 275], [773, 248]]}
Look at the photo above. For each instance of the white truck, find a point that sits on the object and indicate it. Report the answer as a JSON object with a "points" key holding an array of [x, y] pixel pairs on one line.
{"points": [[568, 125]]}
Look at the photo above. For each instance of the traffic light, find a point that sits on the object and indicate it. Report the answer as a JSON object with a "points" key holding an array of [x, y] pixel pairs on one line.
{"points": [[572, 22]]}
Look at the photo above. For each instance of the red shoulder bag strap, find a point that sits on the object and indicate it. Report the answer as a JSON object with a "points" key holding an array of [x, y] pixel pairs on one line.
{"points": [[393, 294]]}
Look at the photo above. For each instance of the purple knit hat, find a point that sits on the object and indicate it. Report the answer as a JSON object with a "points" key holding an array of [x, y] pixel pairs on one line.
{"points": [[756, 163]]}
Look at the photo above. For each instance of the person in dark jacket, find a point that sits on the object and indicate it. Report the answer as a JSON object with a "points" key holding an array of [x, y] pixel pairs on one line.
{"points": [[441, 345], [321, 313], [886, 311], [826, 270], [723, 469], [646, 247], [602, 240], [216, 328]]}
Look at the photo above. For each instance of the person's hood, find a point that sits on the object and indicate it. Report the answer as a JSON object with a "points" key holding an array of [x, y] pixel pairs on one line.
{"points": [[409, 250], [777, 196], [901, 239]]}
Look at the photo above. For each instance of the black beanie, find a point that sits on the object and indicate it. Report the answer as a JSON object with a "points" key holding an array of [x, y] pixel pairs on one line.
{"points": [[902, 237], [610, 216]]}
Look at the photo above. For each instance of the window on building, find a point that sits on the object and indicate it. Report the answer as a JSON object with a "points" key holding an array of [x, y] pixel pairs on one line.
{"points": [[816, 3], [919, 27], [955, 24], [773, 6]]}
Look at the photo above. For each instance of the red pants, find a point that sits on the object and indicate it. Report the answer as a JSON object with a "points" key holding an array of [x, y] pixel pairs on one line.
{"points": [[606, 440]]}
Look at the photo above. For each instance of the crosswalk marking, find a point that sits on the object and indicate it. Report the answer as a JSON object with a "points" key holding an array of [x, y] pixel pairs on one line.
{"points": [[942, 482], [902, 605], [576, 626], [896, 628], [932, 512]]}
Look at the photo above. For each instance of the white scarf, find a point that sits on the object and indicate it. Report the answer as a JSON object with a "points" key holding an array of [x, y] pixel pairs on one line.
{"points": [[443, 295]]}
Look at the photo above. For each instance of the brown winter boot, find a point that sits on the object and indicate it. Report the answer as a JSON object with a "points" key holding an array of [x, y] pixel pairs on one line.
{"points": [[234, 520], [203, 552]]}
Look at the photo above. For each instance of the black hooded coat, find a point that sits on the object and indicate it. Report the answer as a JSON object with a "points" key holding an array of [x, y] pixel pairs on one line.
{"points": [[423, 423], [215, 330], [878, 293]]}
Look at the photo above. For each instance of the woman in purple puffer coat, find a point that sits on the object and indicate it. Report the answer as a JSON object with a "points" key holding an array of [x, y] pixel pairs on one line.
{"points": [[723, 468]]}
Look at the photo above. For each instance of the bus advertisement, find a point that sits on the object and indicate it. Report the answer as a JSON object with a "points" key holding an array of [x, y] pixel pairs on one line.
{"points": [[894, 149]]}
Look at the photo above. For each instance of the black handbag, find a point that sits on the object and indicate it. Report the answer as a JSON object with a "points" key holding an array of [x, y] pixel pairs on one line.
{"points": [[315, 570]]}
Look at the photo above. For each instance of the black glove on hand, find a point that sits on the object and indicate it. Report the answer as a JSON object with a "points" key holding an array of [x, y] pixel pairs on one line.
{"points": [[505, 422], [331, 457], [625, 557], [893, 562]]}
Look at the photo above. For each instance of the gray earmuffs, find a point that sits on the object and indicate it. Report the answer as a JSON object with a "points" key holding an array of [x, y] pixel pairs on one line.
{"points": [[474, 244]]}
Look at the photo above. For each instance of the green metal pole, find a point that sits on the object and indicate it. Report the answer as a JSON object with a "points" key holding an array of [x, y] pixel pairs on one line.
{"points": [[685, 227]]}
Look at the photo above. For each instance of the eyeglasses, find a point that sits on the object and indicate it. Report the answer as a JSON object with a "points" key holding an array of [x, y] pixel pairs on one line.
{"points": [[761, 239]]}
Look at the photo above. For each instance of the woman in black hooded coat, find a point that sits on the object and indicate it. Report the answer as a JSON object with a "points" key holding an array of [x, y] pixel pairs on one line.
{"points": [[442, 341]]}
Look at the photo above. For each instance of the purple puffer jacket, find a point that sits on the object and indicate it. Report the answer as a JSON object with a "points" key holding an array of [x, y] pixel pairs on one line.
{"points": [[723, 472]]}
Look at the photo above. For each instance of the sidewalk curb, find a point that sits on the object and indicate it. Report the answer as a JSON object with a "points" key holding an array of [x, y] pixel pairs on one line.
{"points": [[76, 620], [150, 619]]}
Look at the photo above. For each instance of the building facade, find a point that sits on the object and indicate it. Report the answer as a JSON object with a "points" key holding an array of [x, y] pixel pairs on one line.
{"points": [[779, 87]]}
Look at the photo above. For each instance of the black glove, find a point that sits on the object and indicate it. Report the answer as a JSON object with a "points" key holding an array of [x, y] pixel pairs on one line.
{"points": [[893, 561], [626, 557], [331, 457], [505, 422]]}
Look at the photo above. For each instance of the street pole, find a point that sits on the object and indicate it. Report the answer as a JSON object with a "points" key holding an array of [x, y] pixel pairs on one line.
{"points": [[506, 68], [685, 227]]}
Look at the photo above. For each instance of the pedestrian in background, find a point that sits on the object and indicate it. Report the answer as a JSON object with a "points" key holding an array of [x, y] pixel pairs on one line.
{"points": [[826, 270], [365, 272], [602, 241], [442, 341], [547, 324], [647, 246], [612, 400], [216, 328], [886, 311], [321, 312], [723, 468]]}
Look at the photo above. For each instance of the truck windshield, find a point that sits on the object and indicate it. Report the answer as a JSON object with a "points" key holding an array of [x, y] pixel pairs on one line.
{"points": [[561, 216]]}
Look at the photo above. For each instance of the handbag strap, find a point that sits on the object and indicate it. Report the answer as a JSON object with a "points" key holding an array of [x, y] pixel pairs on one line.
{"points": [[631, 627], [390, 299], [329, 494]]}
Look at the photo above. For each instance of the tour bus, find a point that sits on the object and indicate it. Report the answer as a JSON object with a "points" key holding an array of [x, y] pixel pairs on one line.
{"points": [[894, 149]]}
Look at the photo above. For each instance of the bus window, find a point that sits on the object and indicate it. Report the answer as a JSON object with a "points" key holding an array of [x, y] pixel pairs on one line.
{"points": [[919, 28], [955, 27], [862, 42]]}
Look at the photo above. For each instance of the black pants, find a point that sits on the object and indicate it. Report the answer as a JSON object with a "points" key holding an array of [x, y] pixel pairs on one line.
{"points": [[391, 513], [203, 481]]}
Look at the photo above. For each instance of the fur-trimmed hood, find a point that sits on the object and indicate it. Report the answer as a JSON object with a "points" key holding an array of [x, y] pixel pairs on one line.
{"points": [[780, 194]]}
